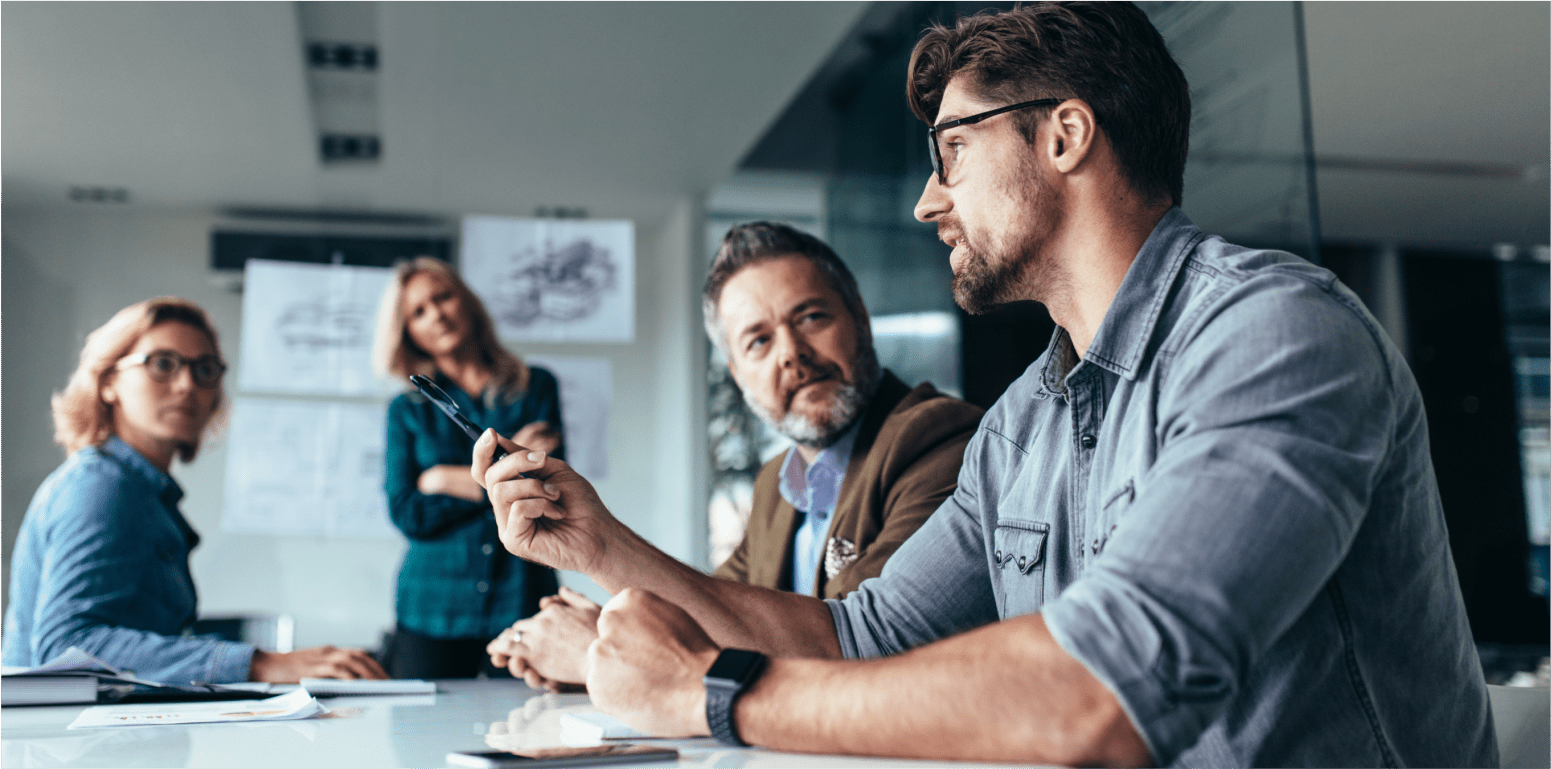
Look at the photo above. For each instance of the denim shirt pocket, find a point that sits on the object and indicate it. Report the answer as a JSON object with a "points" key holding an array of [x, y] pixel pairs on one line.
{"points": [[1019, 558]]}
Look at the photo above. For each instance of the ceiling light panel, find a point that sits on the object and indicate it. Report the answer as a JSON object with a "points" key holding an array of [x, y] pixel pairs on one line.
{"points": [[342, 58]]}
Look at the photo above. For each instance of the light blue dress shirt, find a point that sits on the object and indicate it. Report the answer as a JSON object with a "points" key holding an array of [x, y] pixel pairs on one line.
{"points": [[813, 490], [1225, 510], [102, 563]]}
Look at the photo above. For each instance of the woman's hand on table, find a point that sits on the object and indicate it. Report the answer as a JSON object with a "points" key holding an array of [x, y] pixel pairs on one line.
{"points": [[549, 649], [452, 481], [647, 667], [317, 662]]}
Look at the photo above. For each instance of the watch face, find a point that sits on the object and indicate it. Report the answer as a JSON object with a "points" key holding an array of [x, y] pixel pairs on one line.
{"points": [[734, 665]]}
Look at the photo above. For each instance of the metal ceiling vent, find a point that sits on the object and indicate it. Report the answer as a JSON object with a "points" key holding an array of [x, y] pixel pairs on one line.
{"points": [[339, 46]]}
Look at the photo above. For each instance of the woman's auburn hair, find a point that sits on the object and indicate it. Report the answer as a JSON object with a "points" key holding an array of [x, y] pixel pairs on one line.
{"points": [[81, 417], [395, 354]]}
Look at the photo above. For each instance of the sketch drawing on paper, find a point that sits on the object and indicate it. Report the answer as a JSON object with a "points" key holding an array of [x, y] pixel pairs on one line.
{"points": [[564, 284], [553, 280], [307, 328], [313, 325]]}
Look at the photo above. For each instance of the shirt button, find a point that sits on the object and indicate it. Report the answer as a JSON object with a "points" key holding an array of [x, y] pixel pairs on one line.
{"points": [[487, 549], [483, 587], [1089, 441], [1022, 560], [998, 556]]}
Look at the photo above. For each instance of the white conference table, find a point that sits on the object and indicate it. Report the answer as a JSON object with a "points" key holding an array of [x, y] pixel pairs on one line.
{"points": [[400, 731]]}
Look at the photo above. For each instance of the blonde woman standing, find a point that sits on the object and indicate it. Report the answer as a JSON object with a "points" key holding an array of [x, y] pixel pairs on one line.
{"points": [[102, 558], [458, 587]]}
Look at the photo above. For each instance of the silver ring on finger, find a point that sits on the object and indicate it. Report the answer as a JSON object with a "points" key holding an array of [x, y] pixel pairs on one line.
{"points": [[516, 636]]}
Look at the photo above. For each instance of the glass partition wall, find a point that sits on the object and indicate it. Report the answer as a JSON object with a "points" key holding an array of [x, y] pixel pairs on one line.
{"points": [[847, 162]]}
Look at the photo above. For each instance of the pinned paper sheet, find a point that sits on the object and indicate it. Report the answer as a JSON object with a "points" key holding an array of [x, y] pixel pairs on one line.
{"points": [[585, 390], [308, 328], [553, 280], [286, 707], [306, 467]]}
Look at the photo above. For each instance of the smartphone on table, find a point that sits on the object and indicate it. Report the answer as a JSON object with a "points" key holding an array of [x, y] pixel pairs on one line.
{"points": [[618, 753]]}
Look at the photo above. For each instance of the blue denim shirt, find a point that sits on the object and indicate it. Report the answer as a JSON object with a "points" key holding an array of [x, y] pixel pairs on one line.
{"points": [[102, 563], [457, 580], [813, 490], [1226, 510]]}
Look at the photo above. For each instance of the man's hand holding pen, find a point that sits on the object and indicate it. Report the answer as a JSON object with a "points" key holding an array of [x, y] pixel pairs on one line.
{"points": [[544, 510]]}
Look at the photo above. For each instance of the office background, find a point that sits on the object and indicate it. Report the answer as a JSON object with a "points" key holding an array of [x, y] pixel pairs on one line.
{"points": [[1403, 145]]}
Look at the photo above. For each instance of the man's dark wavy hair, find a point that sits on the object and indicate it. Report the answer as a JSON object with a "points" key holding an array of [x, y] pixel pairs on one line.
{"points": [[1106, 54]]}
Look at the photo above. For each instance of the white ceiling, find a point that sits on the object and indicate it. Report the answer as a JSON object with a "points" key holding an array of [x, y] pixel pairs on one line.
{"points": [[485, 107], [621, 108], [1463, 85]]}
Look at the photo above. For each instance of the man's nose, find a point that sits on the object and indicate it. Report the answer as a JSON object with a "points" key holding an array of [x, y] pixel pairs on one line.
{"points": [[791, 348], [934, 201]]}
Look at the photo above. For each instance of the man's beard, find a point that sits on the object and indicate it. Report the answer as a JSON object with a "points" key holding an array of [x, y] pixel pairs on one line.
{"points": [[849, 403], [1022, 269]]}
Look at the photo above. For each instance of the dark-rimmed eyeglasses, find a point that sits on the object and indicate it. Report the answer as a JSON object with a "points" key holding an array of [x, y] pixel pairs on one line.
{"points": [[931, 131], [163, 365]]}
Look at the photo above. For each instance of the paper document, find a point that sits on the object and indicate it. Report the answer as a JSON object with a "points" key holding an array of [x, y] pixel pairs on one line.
{"points": [[297, 704], [333, 686]]}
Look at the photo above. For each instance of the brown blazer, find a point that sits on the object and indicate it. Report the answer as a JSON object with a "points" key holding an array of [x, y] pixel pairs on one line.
{"points": [[904, 463]]}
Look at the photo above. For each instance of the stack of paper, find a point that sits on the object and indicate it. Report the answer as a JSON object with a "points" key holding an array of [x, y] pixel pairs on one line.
{"points": [[71, 677], [286, 707], [59, 689]]}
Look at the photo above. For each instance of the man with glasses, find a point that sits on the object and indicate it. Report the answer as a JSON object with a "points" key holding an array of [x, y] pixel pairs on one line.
{"points": [[1202, 529]]}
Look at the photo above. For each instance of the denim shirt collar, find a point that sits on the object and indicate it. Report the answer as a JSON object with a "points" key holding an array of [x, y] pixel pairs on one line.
{"points": [[1122, 338], [167, 489]]}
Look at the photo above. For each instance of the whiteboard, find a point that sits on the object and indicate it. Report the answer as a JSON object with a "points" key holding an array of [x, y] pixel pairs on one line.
{"points": [[307, 328], [553, 280], [585, 389], [306, 467]]}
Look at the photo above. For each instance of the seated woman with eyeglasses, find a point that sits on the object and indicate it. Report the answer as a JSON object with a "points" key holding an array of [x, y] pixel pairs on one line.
{"points": [[102, 559]]}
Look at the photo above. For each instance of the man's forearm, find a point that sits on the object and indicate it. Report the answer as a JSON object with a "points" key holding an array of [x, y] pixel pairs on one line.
{"points": [[775, 622], [1006, 692]]}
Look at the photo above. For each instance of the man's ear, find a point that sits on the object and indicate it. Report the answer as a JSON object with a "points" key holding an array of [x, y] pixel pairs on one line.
{"points": [[1073, 129]]}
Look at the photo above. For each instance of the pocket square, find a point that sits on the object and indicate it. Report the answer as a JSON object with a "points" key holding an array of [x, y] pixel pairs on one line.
{"points": [[839, 554]]}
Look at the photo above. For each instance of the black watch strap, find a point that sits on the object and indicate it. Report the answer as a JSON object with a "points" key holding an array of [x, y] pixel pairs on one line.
{"points": [[718, 713], [734, 671]]}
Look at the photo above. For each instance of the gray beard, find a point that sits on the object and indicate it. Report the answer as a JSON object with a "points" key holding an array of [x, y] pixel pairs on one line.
{"points": [[850, 401]]}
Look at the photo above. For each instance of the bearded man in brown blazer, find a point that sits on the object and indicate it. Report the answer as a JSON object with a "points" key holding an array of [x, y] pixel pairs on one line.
{"points": [[873, 458]]}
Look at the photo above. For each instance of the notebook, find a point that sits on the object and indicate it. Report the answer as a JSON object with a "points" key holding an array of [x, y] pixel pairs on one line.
{"points": [[334, 687]]}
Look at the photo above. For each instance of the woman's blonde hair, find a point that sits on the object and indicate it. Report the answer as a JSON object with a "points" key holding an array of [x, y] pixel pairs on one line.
{"points": [[396, 355], [81, 417]]}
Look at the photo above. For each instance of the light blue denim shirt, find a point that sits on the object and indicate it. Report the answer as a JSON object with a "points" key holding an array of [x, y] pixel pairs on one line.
{"points": [[1226, 510], [813, 490], [102, 563]]}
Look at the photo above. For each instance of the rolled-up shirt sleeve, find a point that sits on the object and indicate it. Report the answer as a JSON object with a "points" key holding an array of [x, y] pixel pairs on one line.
{"points": [[935, 585], [1269, 441]]}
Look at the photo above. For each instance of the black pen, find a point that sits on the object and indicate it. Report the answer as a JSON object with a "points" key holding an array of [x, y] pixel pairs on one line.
{"points": [[444, 402]]}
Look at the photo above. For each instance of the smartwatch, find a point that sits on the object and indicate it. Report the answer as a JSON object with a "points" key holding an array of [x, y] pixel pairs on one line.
{"points": [[734, 671]]}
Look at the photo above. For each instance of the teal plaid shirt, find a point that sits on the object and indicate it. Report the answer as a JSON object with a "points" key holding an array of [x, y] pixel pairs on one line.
{"points": [[457, 580]]}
